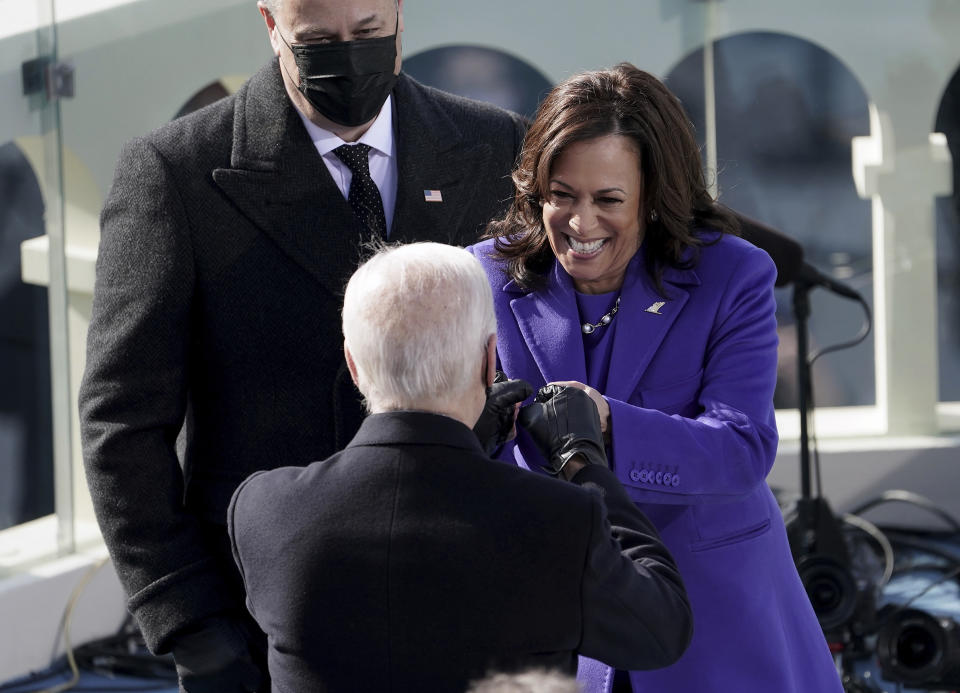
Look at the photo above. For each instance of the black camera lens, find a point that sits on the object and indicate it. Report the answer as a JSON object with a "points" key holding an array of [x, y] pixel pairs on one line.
{"points": [[917, 648], [825, 593], [830, 588]]}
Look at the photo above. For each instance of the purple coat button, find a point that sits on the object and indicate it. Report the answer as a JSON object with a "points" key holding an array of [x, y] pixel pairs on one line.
{"points": [[659, 477], [676, 480], [634, 475]]}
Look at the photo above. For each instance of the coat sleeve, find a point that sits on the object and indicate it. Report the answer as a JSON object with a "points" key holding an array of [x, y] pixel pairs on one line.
{"points": [[133, 398], [725, 449], [635, 610]]}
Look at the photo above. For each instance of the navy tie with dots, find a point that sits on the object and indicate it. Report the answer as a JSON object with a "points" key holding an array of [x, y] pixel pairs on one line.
{"points": [[364, 196]]}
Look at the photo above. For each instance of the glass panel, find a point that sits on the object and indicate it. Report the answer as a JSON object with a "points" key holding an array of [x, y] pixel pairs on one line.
{"points": [[138, 65], [33, 401], [481, 73], [786, 111], [26, 424], [948, 249]]}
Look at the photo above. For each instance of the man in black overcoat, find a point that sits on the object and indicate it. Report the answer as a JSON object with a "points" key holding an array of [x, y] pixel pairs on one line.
{"points": [[226, 241], [411, 561]]}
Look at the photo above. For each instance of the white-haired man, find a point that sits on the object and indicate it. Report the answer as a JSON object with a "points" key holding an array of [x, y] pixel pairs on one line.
{"points": [[411, 561]]}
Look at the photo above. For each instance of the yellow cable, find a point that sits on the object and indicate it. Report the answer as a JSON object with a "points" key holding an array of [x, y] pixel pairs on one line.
{"points": [[67, 616]]}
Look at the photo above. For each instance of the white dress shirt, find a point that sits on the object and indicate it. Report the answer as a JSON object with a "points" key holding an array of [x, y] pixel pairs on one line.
{"points": [[382, 157]]}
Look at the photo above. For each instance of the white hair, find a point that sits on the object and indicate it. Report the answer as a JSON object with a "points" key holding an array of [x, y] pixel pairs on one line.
{"points": [[532, 681], [417, 319]]}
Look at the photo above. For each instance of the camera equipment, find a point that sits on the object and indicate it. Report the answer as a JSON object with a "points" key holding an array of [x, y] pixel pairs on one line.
{"points": [[855, 684], [823, 562], [843, 607], [920, 649], [912, 647]]}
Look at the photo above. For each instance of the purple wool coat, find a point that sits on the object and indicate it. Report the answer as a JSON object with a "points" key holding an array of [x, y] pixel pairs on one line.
{"points": [[690, 388]]}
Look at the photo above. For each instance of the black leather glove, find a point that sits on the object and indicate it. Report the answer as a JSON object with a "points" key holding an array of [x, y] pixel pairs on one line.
{"points": [[215, 658], [563, 421], [496, 420]]}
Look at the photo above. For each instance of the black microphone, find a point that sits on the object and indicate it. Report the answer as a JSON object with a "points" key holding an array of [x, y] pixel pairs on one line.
{"points": [[811, 276], [787, 255]]}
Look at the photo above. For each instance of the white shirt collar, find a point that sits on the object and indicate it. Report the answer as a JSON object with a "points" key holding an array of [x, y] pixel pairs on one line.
{"points": [[378, 136]]}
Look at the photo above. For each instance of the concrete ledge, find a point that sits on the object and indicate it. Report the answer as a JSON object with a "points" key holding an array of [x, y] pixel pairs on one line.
{"points": [[33, 603], [857, 470], [35, 265]]}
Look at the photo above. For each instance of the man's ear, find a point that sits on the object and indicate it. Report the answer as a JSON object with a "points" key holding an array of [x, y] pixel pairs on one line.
{"points": [[490, 358], [271, 27], [351, 366]]}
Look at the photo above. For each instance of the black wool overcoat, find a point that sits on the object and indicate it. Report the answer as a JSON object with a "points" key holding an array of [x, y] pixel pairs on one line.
{"points": [[225, 247]]}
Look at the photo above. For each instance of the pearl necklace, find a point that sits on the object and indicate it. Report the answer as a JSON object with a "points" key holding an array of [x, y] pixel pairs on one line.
{"points": [[588, 328]]}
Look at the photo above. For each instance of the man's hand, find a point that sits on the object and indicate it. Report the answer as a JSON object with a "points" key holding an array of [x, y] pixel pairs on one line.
{"points": [[564, 423], [495, 425], [215, 658], [603, 407]]}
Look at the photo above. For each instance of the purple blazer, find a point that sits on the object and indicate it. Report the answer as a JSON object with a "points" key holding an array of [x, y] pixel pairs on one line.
{"points": [[690, 388]]}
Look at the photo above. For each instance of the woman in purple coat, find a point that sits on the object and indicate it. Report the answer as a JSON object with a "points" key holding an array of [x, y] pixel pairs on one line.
{"points": [[616, 272]]}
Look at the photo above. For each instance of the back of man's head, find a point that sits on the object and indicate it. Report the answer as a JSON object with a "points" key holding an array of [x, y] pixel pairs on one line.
{"points": [[417, 319]]}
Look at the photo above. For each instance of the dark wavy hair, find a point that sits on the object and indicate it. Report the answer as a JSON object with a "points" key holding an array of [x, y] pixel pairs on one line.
{"points": [[621, 101]]}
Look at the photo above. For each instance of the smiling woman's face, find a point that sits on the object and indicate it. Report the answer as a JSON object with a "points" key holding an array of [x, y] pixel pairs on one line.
{"points": [[592, 211]]}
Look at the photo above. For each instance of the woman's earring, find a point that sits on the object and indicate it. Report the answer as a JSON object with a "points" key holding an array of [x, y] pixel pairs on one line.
{"points": [[653, 215]]}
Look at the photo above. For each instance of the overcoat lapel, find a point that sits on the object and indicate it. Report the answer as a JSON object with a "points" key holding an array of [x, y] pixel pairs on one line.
{"points": [[644, 323], [280, 183], [550, 324], [432, 154]]}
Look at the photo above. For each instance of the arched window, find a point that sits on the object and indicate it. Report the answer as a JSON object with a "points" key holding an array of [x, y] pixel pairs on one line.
{"points": [[480, 73], [948, 250], [204, 97], [26, 428], [786, 110]]}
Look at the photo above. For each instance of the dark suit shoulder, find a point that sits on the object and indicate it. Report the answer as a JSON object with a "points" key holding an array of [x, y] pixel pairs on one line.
{"points": [[476, 121], [200, 134], [461, 107], [531, 489], [273, 484], [356, 470], [203, 139]]}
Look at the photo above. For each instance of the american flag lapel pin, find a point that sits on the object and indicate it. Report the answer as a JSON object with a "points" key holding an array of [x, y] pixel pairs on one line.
{"points": [[432, 196]]}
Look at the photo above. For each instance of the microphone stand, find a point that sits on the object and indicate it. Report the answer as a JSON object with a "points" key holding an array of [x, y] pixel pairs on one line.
{"points": [[801, 313], [816, 540]]}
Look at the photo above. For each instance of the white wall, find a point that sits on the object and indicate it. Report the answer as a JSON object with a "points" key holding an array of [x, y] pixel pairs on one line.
{"points": [[856, 471]]}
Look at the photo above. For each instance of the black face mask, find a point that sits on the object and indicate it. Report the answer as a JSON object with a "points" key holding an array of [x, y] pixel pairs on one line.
{"points": [[347, 81]]}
